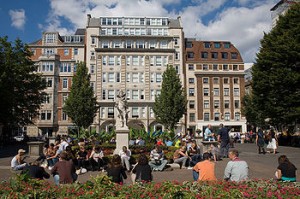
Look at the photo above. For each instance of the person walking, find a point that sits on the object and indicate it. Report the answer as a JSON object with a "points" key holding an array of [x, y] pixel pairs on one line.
{"points": [[236, 169], [273, 141], [223, 137], [260, 142]]}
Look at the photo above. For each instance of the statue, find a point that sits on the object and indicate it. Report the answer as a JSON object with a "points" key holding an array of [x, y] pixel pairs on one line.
{"points": [[121, 105]]}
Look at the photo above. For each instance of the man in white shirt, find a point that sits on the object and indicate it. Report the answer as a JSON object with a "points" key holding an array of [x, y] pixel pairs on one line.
{"points": [[125, 156]]}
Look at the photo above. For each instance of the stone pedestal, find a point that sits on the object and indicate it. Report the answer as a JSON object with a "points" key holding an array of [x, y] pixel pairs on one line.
{"points": [[122, 139], [35, 148]]}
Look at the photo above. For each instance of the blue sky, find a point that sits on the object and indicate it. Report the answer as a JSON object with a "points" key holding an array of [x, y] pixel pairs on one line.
{"points": [[242, 22]]}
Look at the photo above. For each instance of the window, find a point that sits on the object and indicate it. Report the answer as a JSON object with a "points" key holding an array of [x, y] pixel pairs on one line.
{"points": [[190, 55], [192, 117], [128, 44], [93, 55], [189, 44], [142, 94], [234, 55], [226, 91], [141, 76], [236, 103], [92, 69], [49, 51], [64, 116], [236, 91], [216, 104], [217, 45], [177, 56], [217, 116], [191, 91], [50, 38], [158, 77], [216, 80], [65, 67], [206, 45], [206, 92], [226, 81], [206, 104], [140, 44], [205, 80], [204, 55], [158, 60], [103, 77], [104, 60], [216, 92], [191, 67], [93, 40], [192, 104], [66, 51], [237, 116], [135, 112], [111, 60], [227, 45], [226, 104], [206, 116], [235, 67], [110, 112], [48, 99], [135, 77], [105, 44], [215, 67], [128, 60], [103, 94], [175, 41], [164, 44], [205, 67], [214, 55], [75, 51], [111, 94], [46, 115], [225, 67], [236, 80], [65, 83], [135, 94], [117, 44], [227, 116], [111, 77], [191, 80], [64, 97], [47, 66], [224, 55], [135, 60]]}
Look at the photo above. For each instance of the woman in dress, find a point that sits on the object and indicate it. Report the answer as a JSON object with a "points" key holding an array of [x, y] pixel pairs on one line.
{"points": [[260, 142], [272, 141], [286, 171]]}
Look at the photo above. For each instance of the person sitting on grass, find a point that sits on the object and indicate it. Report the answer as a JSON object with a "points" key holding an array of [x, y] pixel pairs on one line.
{"points": [[286, 171], [115, 170]]}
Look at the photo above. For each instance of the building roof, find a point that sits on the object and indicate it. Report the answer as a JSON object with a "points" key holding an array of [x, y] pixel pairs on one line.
{"points": [[282, 2], [80, 31]]}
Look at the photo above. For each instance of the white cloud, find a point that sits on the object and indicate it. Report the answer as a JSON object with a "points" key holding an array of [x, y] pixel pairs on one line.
{"points": [[243, 25], [18, 18]]}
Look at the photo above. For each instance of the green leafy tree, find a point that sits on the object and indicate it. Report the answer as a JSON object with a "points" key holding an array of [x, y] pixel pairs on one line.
{"points": [[276, 73], [81, 105], [21, 88], [170, 105]]}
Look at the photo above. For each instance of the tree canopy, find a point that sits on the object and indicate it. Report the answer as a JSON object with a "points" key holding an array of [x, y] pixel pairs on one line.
{"points": [[276, 73], [21, 88], [170, 105], [81, 105]]}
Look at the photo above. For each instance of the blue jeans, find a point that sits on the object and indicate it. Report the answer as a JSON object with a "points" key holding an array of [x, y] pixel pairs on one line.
{"points": [[56, 178], [160, 166], [195, 175]]}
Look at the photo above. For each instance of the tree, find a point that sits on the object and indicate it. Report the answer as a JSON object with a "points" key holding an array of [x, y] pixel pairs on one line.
{"points": [[170, 105], [276, 73], [21, 88], [81, 105]]}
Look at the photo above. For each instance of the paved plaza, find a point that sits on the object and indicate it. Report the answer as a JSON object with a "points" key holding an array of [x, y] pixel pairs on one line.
{"points": [[260, 166]]}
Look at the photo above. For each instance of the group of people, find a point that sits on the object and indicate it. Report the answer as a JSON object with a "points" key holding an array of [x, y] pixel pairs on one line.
{"points": [[268, 140]]}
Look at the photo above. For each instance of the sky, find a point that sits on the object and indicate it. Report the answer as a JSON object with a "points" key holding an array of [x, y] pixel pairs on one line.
{"points": [[242, 22]]}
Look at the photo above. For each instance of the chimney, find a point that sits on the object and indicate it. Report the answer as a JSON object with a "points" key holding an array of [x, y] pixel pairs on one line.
{"points": [[88, 19]]}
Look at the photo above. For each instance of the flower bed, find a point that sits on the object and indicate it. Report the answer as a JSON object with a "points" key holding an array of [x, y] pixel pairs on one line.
{"points": [[102, 187]]}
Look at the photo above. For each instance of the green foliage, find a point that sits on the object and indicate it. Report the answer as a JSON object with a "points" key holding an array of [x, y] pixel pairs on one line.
{"points": [[81, 105], [170, 105], [276, 73], [21, 87], [102, 187]]}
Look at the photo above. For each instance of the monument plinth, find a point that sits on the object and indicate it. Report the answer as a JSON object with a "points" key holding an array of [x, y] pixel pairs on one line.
{"points": [[122, 130]]}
